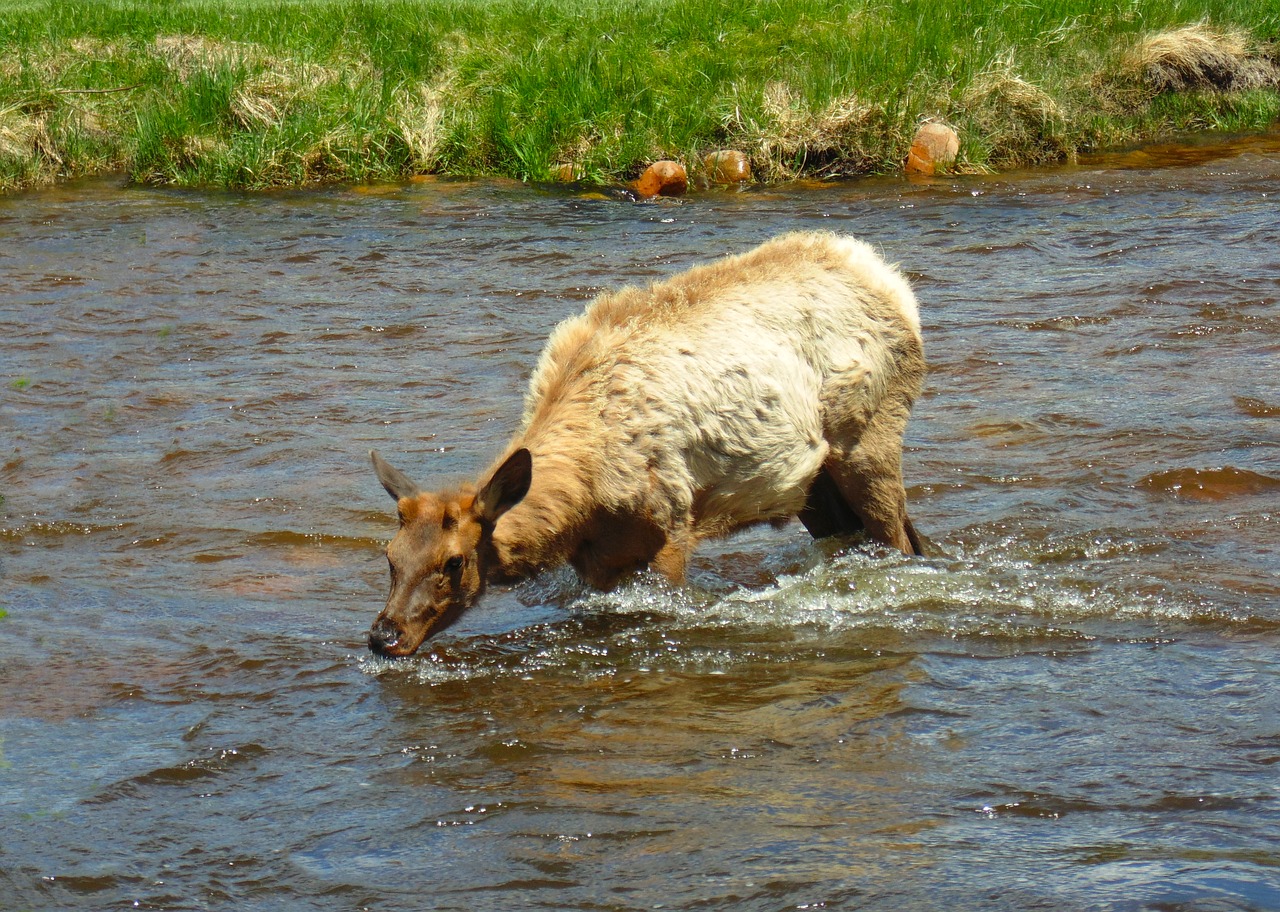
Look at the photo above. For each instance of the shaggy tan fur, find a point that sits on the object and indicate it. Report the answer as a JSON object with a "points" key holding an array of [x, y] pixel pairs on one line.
{"points": [[764, 386]]}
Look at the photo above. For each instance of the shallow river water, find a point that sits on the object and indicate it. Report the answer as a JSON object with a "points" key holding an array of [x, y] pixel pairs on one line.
{"points": [[1072, 703]]}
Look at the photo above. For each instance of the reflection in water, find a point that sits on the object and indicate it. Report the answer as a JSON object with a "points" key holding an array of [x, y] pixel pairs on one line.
{"points": [[1070, 703]]}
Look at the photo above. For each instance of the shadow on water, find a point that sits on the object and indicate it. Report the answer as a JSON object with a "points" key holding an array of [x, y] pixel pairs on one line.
{"points": [[1070, 703]]}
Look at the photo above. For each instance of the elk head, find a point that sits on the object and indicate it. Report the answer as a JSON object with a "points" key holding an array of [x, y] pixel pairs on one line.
{"points": [[442, 554]]}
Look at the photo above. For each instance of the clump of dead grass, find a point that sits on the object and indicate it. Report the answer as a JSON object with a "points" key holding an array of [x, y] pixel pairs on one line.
{"points": [[50, 63], [314, 123], [23, 135], [265, 98], [268, 87], [790, 138], [1020, 122], [419, 114], [1200, 57], [185, 55], [28, 153], [56, 117]]}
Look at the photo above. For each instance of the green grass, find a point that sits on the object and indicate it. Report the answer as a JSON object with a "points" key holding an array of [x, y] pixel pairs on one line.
{"points": [[262, 93]]}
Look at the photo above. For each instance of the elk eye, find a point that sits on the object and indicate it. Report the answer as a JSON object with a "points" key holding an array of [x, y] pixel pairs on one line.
{"points": [[453, 564]]}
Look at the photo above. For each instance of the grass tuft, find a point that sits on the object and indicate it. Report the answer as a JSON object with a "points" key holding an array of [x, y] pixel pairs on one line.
{"points": [[1017, 121], [788, 138], [1200, 57]]}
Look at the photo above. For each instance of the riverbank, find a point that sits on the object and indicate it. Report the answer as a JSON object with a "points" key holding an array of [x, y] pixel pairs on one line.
{"points": [[251, 94]]}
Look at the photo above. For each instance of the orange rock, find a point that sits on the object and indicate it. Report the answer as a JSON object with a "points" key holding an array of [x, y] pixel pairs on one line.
{"points": [[728, 167], [935, 145], [662, 178], [566, 172]]}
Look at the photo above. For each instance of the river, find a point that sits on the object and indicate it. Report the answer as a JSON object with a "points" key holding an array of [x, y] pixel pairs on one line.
{"points": [[1073, 702]]}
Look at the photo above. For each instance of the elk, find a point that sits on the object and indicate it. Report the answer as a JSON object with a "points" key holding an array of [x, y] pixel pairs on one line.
{"points": [[763, 386]]}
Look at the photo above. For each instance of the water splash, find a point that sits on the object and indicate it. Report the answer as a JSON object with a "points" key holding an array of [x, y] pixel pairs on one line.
{"points": [[1000, 593]]}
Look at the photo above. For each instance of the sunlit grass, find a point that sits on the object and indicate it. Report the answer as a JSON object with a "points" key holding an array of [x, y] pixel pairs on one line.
{"points": [[259, 93]]}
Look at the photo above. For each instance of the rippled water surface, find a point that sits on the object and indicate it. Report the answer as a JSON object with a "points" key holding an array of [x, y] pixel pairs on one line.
{"points": [[1072, 703]]}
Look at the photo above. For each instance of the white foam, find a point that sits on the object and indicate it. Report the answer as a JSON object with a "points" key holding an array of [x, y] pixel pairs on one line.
{"points": [[1004, 591]]}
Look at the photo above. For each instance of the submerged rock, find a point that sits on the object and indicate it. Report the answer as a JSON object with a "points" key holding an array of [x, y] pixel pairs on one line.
{"points": [[662, 178], [936, 145]]}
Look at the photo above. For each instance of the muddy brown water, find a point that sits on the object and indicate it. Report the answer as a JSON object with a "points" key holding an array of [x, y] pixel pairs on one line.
{"points": [[1072, 703]]}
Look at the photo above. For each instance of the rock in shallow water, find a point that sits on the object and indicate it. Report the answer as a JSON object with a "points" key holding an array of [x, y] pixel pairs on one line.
{"points": [[935, 145], [727, 167], [662, 178]]}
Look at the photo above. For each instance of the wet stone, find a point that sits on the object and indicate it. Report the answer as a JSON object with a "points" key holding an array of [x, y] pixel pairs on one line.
{"points": [[727, 167], [935, 145], [662, 178]]}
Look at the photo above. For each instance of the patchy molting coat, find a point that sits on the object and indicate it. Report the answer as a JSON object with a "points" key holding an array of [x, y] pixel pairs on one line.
{"points": [[711, 401], [762, 386]]}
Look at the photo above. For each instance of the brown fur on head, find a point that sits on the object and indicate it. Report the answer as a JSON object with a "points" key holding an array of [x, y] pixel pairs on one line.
{"points": [[442, 554]]}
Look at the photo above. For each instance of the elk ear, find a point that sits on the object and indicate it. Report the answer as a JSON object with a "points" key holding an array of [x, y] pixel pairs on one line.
{"points": [[396, 482], [507, 487]]}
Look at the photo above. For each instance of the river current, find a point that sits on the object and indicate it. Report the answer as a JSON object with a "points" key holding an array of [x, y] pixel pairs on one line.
{"points": [[1073, 702]]}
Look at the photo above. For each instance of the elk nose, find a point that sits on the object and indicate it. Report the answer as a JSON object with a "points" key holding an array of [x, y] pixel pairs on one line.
{"points": [[383, 635]]}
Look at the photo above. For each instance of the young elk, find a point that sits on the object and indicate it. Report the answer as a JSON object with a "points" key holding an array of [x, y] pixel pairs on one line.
{"points": [[772, 384]]}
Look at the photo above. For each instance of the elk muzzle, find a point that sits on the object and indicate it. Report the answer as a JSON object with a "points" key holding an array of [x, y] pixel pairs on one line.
{"points": [[384, 637]]}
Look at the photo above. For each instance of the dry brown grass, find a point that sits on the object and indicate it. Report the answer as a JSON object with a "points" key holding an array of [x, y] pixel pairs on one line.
{"points": [[420, 115], [1021, 122], [55, 120], [50, 64], [272, 85], [23, 135], [186, 54], [791, 139], [265, 98], [1200, 57]]}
